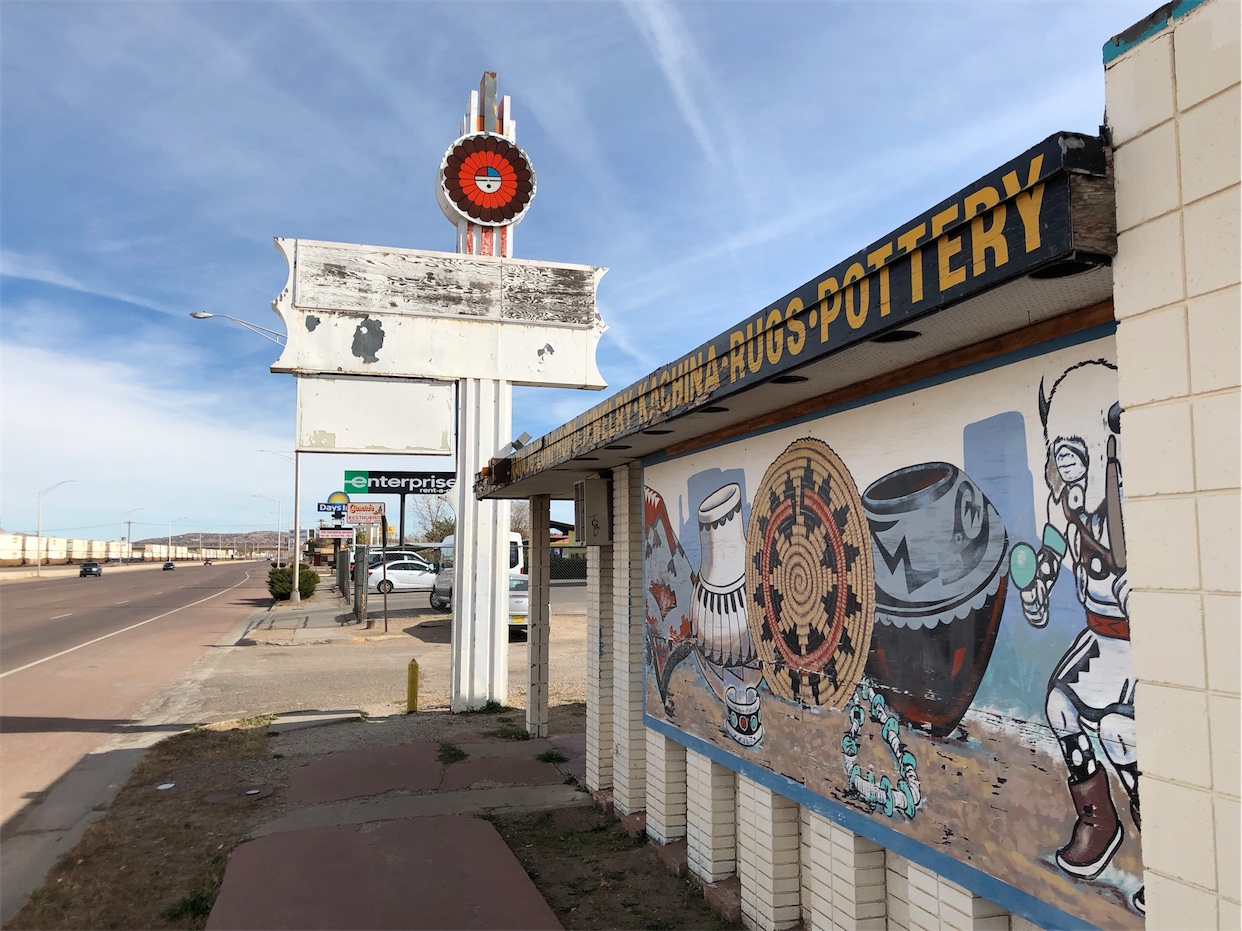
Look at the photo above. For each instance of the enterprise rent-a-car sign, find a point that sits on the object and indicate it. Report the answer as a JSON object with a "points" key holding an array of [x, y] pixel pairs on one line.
{"points": [[399, 483]]}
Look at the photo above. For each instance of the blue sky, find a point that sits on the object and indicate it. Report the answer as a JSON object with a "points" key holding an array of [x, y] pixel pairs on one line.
{"points": [[712, 155]]}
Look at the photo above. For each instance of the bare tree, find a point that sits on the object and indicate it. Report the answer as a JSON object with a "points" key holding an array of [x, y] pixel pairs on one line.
{"points": [[432, 517], [519, 518]]}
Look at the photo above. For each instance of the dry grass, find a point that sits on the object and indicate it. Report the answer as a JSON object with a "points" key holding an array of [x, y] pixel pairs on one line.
{"points": [[595, 876], [157, 857]]}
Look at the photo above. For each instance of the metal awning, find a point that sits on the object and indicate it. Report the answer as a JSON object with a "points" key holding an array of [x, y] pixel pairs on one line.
{"points": [[1018, 250]]}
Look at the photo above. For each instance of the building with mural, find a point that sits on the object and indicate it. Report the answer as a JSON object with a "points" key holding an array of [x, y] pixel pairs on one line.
{"points": [[916, 592]]}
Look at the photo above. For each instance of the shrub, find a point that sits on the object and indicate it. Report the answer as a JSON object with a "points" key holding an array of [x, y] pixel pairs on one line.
{"points": [[280, 582]]}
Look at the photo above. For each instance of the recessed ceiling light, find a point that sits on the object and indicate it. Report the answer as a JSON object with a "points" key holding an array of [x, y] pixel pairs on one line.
{"points": [[896, 336], [617, 446], [585, 459], [712, 409], [656, 432], [788, 379]]}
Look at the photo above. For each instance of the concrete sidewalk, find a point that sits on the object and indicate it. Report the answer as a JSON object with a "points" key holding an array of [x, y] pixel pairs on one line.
{"points": [[328, 618], [390, 837]]}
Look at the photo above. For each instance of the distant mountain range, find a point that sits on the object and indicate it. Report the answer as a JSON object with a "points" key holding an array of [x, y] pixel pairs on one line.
{"points": [[256, 538]]}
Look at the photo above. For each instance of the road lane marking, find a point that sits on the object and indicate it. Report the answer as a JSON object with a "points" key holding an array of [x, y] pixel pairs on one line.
{"points": [[122, 602], [59, 616], [88, 643]]}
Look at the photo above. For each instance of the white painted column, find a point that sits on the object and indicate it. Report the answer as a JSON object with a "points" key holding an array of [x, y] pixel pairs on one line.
{"points": [[666, 788], [599, 668], [858, 892], [817, 871], [539, 618], [768, 861], [629, 782], [480, 667], [711, 818]]}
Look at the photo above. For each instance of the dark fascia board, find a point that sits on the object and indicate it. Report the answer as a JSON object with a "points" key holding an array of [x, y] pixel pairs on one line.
{"points": [[1052, 204]]}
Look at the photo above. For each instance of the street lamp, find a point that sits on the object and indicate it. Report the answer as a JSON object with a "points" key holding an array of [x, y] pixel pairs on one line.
{"points": [[278, 523], [130, 536], [170, 523], [39, 524], [277, 338], [295, 596]]}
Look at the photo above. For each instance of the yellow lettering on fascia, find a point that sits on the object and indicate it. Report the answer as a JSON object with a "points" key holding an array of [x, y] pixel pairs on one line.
{"points": [[678, 386], [665, 398], [754, 345], [946, 248], [796, 328], [644, 412], [694, 380], [737, 359], [879, 259], [712, 381], [990, 237], [776, 336], [856, 317], [906, 243], [828, 310], [1029, 201]]}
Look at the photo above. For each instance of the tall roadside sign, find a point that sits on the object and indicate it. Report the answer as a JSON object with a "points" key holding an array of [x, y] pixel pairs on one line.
{"points": [[396, 330]]}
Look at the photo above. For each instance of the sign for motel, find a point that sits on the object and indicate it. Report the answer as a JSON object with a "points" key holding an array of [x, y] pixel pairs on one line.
{"points": [[336, 533]]}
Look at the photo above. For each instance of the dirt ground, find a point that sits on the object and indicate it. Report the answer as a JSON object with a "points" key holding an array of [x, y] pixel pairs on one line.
{"points": [[156, 858], [595, 876]]}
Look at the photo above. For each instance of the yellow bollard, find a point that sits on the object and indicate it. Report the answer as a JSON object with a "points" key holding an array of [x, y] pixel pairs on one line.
{"points": [[411, 697]]}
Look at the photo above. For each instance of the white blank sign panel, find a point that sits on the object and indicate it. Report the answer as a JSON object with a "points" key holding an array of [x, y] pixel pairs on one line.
{"points": [[375, 415]]}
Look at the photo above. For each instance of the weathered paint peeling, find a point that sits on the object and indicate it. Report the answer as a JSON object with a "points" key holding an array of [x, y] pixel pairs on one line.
{"points": [[368, 340], [311, 322], [323, 439]]}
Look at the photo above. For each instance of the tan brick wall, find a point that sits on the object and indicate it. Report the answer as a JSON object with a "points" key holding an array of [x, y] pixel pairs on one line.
{"points": [[599, 668], [629, 783], [1173, 110]]}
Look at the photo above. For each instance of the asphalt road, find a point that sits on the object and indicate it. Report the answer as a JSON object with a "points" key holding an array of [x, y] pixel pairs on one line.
{"points": [[79, 658]]}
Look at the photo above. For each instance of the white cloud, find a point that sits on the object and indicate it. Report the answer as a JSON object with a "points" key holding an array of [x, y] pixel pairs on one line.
{"points": [[127, 440], [43, 270]]}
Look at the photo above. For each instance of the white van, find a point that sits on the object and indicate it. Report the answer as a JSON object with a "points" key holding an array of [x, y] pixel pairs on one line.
{"points": [[517, 553]]}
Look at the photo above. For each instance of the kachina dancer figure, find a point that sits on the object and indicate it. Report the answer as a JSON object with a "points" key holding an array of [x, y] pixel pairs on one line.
{"points": [[1092, 688]]}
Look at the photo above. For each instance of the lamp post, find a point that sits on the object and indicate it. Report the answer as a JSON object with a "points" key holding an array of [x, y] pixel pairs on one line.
{"points": [[39, 524], [278, 523], [295, 596], [277, 338], [120, 520], [170, 523]]}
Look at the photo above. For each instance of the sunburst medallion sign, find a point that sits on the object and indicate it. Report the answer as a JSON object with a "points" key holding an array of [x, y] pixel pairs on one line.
{"points": [[487, 179]]}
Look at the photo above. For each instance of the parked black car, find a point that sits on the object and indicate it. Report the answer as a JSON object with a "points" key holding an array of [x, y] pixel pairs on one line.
{"points": [[90, 568], [170, 565]]}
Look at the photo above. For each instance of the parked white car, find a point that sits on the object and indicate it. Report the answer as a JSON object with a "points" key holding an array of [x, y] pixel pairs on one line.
{"points": [[409, 575]]}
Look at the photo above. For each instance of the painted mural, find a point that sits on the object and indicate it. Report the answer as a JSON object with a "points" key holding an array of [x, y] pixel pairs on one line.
{"points": [[917, 608]]}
